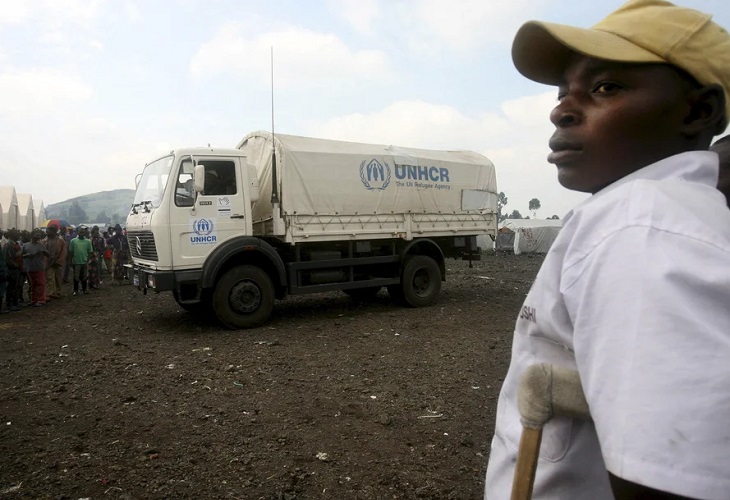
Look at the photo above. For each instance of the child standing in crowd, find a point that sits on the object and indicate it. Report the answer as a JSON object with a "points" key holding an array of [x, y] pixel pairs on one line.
{"points": [[14, 263], [97, 246], [67, 235], [79, 250], [56, 247], [107, 254], [35, 255], [120, 246], [24, 240]]}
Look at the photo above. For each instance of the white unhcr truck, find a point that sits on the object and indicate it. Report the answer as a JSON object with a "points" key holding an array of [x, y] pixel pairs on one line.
{"points": [[232, 230]]}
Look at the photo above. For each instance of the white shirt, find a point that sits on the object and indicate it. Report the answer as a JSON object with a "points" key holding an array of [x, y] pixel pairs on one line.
{"points": [[635, 295]]}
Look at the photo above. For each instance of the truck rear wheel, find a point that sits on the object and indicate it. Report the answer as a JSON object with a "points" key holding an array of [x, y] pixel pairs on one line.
{"points": [[243, 297], [421, 283]]}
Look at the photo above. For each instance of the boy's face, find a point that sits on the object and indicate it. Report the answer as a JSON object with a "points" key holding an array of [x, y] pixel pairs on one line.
{"points": [[615, 118]]}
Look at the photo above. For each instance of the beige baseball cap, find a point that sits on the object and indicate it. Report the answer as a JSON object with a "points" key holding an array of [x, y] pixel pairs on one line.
{"points": [[641, 31]]}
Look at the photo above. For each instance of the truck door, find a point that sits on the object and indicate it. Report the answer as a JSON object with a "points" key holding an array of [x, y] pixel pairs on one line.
{"points": [[198, 224]]}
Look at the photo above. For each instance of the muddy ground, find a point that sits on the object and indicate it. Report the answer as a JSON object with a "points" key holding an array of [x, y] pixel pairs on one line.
{"points": [[116, 395]]}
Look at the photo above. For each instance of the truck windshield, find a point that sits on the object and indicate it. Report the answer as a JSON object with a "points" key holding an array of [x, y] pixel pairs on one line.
{"points": [[151, 186]]}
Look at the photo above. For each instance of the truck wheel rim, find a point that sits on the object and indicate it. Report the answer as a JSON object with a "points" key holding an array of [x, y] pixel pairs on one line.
{"points": [[422, 282], [245, 297]]}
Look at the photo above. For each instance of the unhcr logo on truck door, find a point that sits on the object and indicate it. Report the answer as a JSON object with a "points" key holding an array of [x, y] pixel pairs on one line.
{"points": [[203, 229]]}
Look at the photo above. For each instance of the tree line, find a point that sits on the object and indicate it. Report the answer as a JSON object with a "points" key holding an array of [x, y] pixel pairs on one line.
{"points": [[533, 206]]}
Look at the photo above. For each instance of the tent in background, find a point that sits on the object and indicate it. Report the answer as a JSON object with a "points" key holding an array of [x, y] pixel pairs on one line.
{"points": [[527, 235], [9, 202], [40, 212], [26, 214]]}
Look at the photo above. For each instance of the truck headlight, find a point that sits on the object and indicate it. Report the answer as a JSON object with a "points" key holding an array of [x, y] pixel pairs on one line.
{"points": [[150, 281]]}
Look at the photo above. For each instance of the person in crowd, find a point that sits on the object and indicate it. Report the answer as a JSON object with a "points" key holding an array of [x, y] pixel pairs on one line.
{"points": [[97, 245], [79, 249], [14, 263], [722, 148], [107, 254], [121, 250], [634, 292], [24, 240], [56, 247], [67, 235], [35, 256]]}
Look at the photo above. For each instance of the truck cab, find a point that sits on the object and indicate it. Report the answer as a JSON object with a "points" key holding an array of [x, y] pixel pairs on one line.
{"points": [[172, 226]]}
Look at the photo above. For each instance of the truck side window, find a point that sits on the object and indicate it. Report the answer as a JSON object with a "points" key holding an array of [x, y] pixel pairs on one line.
{"points": [[184, 191], [220, 178]]}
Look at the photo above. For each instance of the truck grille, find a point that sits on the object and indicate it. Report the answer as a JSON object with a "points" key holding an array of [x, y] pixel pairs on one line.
{"points": [[142, 245]]}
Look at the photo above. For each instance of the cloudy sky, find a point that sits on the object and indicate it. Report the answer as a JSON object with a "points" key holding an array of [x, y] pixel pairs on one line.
{"points": [[90, 90]]}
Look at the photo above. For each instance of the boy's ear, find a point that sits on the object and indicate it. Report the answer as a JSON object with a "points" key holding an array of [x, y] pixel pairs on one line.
{"points": [[707, 111]]}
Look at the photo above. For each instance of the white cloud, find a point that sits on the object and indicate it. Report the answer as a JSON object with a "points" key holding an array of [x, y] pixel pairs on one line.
{"points": [[360, 14], [55, 37], [131, 10], [51, 11], [28, 92], [515, 139], [69, 11], [460, 25], [15, 11], [301, 57]]}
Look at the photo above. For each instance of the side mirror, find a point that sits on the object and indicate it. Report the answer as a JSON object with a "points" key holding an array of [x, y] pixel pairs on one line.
{"points": [[199, 178]]}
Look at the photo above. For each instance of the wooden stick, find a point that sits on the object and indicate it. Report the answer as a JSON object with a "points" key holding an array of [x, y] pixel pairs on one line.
{"points": [[527, 456]]}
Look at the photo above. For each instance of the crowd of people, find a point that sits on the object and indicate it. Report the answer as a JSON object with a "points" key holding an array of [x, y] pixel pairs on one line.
{"points": [[45, 261]]}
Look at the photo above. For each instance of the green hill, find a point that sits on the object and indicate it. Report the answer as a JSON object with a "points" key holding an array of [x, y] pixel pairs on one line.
{"points": [[109, 207]]}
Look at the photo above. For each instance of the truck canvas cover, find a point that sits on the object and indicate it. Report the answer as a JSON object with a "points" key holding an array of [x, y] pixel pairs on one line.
{"points": [[324, 177]]}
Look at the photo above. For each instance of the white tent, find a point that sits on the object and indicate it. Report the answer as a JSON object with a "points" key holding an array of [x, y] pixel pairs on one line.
{"points": [[528, 235], [9, 202], [39, 209], [26, 218]]}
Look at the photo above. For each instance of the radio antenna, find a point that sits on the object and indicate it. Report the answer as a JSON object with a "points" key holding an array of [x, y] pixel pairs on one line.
{"points": [[274, 180]]}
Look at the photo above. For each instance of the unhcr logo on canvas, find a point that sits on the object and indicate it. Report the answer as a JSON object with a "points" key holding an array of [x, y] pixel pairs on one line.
{"points": [[375, 175]]}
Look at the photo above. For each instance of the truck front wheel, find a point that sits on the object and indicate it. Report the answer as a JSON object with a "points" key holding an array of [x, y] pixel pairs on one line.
{"points": [[243, 297], [421, 283]]}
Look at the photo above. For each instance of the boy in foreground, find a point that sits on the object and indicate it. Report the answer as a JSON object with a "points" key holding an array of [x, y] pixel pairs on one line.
{"points": [[634, 292]]}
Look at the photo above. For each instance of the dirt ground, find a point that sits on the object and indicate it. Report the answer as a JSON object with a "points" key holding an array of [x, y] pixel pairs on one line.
{"points": [[117, 395]]}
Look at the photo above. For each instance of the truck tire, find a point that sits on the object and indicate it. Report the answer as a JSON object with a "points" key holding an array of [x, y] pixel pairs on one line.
{"points": [[243, 297], [421, 282]]}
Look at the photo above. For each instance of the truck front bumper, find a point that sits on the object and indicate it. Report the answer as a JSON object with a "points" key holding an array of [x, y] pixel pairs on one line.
{"points": [[185, 284], [148, 279]]}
